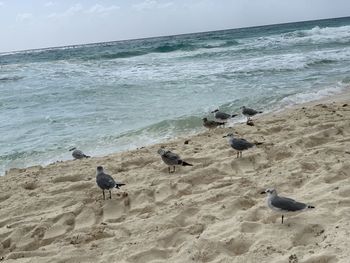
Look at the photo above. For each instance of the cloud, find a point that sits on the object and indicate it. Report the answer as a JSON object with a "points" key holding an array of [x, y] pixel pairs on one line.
{"points": [[1, 3], [49, 4], [78, 8], [99, 9], [69, 12], [151, 4], [24, 16]]}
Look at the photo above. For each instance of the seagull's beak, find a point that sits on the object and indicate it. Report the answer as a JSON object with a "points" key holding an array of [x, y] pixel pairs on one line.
{"points": [[263, 192], [224, 136]]}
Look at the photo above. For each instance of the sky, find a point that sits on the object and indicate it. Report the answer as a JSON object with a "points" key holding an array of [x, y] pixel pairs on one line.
{"points": [[49, 23]]}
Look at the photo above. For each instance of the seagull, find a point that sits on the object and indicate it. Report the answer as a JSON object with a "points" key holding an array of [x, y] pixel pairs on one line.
{"points": [[211, 124], [238, 144], [222, 116], [77, 154], [283, 204], [248, 112], [106, 182], [171, 159]]}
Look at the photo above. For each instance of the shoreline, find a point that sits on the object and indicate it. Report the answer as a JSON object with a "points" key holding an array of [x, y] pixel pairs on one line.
{"points": [[211, 212], [343, 95]]}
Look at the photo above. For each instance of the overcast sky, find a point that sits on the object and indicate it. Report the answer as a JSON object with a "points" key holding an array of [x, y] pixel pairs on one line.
{"points": [[44, 23]]}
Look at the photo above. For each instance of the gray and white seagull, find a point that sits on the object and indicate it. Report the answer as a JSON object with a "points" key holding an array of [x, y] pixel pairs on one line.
{"points": [[248, 112], [106, 182], [284, 205], [211, 124], [239, 144], [171, 159], [222, 116], [78, 154]]}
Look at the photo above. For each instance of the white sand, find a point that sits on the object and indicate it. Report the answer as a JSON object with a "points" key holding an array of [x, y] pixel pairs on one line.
{"points": [[211, 212]]}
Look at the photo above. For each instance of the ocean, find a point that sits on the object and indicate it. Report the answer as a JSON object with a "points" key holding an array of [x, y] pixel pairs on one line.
{"points": [[108, 97]]}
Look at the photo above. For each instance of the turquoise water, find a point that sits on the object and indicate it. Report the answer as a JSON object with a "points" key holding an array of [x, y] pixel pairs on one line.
{"points": [[114, 96]]}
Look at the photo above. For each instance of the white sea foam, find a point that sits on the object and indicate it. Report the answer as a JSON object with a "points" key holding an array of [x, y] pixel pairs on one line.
{"points": [[102, 102], [304, 97], [315, 35]]}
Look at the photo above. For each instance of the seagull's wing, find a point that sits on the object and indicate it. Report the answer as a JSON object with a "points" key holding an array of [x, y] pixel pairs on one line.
{"points": [[215, 123], [77, 154], [287, 204], [222, 115], [171, 158], [250, 112], [105, 181], [241, 144]]}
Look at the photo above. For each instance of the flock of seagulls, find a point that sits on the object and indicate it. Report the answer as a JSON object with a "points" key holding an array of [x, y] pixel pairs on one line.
{"points": [[277, 203], [221, 118]]}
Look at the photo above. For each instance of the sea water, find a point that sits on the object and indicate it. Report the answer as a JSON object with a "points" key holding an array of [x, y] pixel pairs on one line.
{"points": [[114, 96]]}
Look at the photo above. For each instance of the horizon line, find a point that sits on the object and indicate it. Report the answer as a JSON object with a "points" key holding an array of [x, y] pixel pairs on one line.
{"points": [[160, 36]]}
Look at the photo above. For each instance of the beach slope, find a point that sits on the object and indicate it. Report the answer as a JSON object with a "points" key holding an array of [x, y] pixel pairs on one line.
{"points": [[210, 212]]}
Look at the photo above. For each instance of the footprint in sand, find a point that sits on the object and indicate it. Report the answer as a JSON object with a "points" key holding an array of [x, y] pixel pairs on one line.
{"points": [[150, 255], [86, 218], [62, 224], [172, 237], [321, 259], [114, 211], [308, 235], [250, 227]]}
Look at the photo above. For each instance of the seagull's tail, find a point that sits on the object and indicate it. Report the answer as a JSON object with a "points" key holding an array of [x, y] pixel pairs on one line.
{"points": [[260, 112], [258, 143], [87, 156], [234, 115], [310, 206], [118, 185], [183, 163]]}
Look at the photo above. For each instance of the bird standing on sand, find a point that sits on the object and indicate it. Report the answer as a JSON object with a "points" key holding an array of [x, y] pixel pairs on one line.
{"points": [[283, 204], [248, 112], [171, 159], [238, 144], [106, 182], [211, 124], [77, 154], [222, 116]]}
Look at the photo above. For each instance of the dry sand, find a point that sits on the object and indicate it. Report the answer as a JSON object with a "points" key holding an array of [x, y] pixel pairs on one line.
{"points": [[211, 212]]}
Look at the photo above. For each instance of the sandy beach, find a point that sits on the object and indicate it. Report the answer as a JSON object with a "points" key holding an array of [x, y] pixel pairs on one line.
{"points": [[211, 212]]}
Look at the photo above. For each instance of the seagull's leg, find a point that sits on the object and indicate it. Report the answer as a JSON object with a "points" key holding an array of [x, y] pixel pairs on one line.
{"points": [[241, 153], [174, 169], [282, 218], [237, 154], [110, 194], [169, 169], [103, 192]]}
